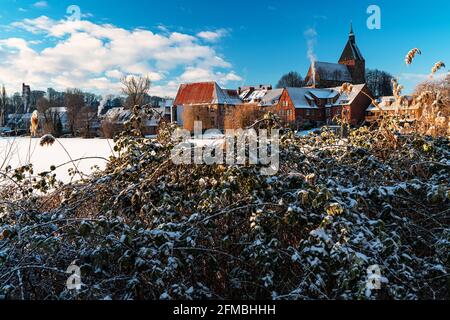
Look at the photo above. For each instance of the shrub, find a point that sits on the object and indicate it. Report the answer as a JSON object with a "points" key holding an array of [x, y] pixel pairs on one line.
{"points": [[148, 229]]}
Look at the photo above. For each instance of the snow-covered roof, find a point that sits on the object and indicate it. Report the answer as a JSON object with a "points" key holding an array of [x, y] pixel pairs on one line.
{"points": [[304, 98], [298, 98], [257, 94], [385, 99], [345, 98], [250, 94], [332, 71], [324, 93], [118, 114], [388, 103], [272, 97], [121, 115], [243, 95], [223, 97], [390, 108]]}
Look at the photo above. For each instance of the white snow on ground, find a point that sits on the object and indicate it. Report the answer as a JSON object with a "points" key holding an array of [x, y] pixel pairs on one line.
{"points": [[306, 132], [19, 151], [215, 139], [208, 139]]}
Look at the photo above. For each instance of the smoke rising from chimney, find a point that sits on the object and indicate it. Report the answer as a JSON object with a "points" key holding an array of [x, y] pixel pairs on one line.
{"points": [[103, 104], [311, 40]]}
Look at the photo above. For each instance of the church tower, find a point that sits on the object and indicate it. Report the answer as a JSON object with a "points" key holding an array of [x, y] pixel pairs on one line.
{"points": [[353, 59]]}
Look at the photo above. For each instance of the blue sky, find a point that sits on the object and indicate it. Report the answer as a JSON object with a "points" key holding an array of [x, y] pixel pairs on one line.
{"points": [[232, 42]]}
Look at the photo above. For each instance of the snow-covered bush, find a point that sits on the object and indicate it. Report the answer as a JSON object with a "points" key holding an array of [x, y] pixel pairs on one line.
{"points": [[148, 229]]}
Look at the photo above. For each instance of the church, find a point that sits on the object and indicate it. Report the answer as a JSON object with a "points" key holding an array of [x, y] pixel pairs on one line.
{"points": [[350, 68], [319, 102]]}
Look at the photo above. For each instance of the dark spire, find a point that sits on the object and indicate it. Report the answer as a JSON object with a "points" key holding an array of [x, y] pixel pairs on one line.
{"points": [[351, 50], [352, 34]]}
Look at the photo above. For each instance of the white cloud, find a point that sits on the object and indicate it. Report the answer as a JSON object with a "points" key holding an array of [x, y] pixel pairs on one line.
{"points": [[212, 36], [95, 57], [114, 74], [200, 74], [421, 76], [411, 80], [40, 4]]}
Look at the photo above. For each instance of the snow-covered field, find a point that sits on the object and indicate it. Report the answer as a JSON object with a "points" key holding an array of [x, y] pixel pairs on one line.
{"points": [[19, 151]]}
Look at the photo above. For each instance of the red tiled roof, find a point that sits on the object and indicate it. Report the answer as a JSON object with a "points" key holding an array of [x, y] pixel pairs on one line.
{"points": [[195, 93], [205, 93]]}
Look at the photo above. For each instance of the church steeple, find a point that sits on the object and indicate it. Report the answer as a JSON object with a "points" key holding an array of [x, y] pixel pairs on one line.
{"points": [[351, 50], [351, 36], [353, 59]]}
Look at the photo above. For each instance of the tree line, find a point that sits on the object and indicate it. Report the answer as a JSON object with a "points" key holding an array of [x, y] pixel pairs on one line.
{"points": [[378, 81], [73, 111]]}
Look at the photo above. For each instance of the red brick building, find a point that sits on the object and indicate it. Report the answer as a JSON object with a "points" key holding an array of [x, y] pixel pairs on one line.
{"points": [[299, 106], [319, 103], [205, 102], [208, 103]]}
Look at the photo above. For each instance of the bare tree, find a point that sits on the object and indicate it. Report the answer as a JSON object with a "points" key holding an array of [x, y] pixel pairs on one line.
{"points": [[136, 89], [43, 107], [3, 105], [16, 102], [85, 119], [291, 80], [243, 116], [441, 86], [379, 82], [74, 102], [34, 97], [52, 118]]}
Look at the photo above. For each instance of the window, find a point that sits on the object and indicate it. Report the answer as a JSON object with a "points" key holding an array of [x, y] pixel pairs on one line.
{"points": [[308, 112], [327, 112]]}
